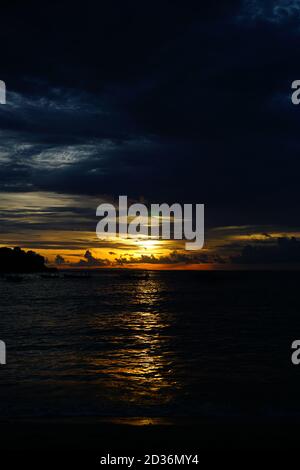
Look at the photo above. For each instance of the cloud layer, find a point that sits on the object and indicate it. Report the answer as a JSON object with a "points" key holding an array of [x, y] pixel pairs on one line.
{"points": [[167, 102]]}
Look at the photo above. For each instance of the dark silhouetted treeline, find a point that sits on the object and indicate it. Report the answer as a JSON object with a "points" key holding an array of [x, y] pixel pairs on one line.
{"points": [[19, 261]]}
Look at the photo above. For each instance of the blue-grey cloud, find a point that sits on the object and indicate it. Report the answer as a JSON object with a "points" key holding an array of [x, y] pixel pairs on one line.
{"points": [[272, 11]]}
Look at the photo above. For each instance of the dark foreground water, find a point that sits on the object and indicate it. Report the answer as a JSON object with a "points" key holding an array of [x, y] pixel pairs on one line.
{"points": [[168, 344]]}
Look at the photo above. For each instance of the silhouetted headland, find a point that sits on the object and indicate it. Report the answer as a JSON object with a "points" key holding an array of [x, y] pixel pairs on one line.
{"points": [[16, 260]]}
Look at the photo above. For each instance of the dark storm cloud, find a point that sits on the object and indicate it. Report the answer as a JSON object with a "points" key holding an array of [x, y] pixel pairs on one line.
{"points": [[63, 116], [59, 260], [90, 261], [174, 102], [286, 250], [173, 258]]}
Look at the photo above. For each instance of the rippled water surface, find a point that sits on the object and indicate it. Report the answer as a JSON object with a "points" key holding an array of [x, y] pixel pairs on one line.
{"points": [[157, 344]]}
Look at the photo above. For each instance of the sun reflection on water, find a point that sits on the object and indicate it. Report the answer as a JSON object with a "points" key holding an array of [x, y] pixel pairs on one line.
{"points": [[140, 360]]}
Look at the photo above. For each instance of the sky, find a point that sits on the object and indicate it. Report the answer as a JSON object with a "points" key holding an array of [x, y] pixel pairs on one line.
{"points": [[185, 102]]}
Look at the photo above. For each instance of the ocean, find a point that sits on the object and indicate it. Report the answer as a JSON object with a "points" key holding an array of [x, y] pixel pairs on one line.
{"points": [[151, 344]]}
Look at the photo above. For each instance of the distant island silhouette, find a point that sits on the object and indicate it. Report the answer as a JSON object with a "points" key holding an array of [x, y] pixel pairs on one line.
{"points": [[16, 260]]}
